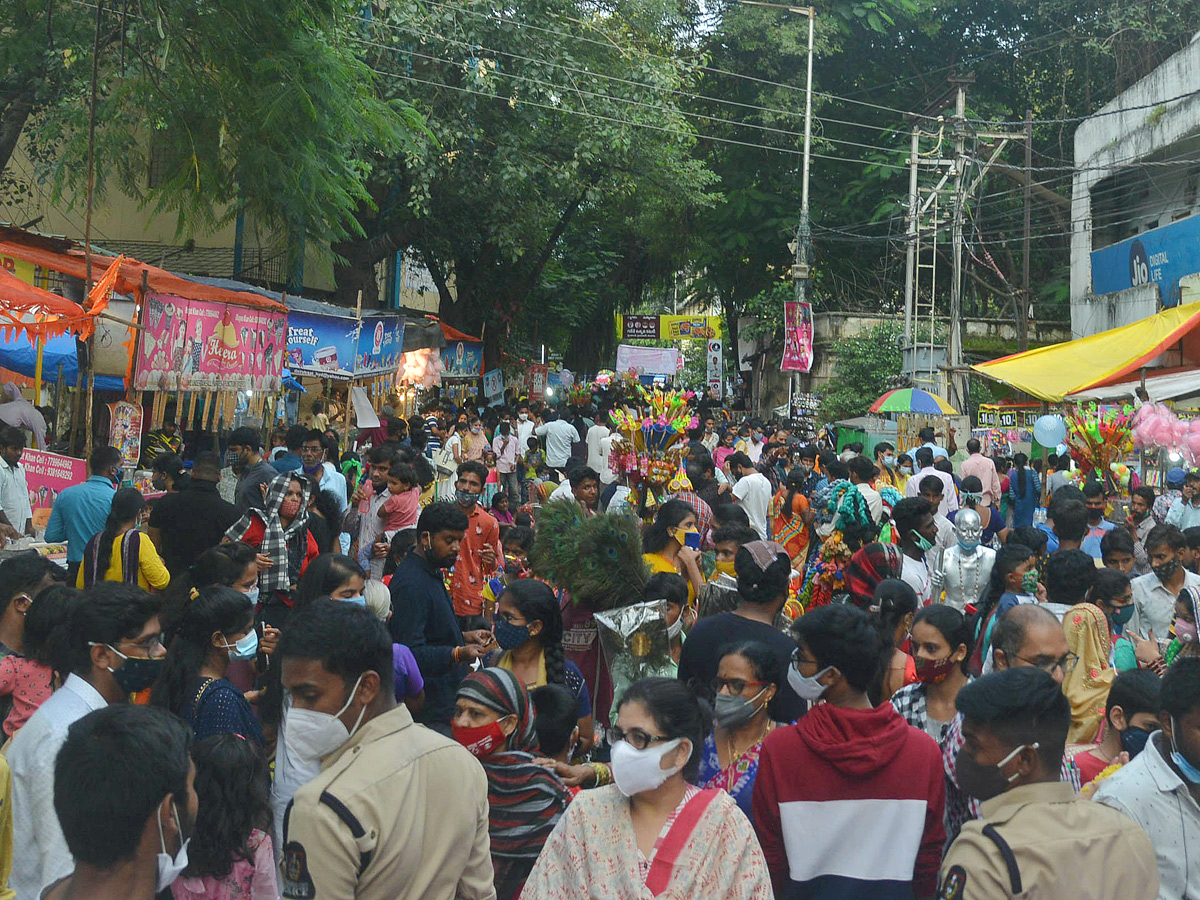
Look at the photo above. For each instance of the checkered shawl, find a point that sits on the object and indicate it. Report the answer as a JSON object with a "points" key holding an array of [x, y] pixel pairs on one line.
{"points": [[285, 547]]}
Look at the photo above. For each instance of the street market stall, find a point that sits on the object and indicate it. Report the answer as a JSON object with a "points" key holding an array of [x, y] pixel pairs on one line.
{"points": [[1167, 342]]}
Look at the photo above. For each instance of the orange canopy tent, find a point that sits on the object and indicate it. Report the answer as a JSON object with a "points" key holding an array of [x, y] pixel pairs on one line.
{"points": [[39, 314], [67, 257]]}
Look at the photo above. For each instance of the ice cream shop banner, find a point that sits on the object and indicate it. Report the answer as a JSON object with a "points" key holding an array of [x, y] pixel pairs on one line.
{"points": [[194, 345], [339, 347]]}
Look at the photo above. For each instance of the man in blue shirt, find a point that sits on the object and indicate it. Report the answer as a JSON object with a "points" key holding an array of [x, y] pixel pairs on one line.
{"points": [[423, 614], [79, 511], [289, 460], [926, 437], [1098, 526]]}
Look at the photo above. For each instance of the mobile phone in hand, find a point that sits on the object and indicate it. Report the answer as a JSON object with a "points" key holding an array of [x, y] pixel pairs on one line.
{"points": [[692, 539]]}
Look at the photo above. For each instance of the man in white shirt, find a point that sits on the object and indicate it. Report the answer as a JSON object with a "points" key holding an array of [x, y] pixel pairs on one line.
{"points": [[913, 520], [16, 516], [560, 435], [752, 493], [598, 448], [1154, 594], [924, 468], [1160, 787], [525, 426], [758, 440], [115, 650], [710, 437]]}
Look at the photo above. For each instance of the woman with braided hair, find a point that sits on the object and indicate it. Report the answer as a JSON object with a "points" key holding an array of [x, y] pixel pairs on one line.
{"points": [[529, 629], [217, 626]]}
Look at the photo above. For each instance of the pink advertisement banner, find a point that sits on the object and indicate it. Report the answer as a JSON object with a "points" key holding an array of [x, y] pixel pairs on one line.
{"points": [[48, 475], [797, 337], [193, 345]]}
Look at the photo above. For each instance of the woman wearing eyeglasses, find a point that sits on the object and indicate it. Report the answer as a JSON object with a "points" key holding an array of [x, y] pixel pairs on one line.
{"points": [[652, 833], [748, 677]]}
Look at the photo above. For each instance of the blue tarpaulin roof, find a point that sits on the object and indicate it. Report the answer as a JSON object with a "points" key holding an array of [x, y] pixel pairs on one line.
{"points": [[18, 355]]}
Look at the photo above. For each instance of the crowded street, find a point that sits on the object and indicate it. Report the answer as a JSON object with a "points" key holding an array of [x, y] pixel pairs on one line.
{"points": [[571, 451]]}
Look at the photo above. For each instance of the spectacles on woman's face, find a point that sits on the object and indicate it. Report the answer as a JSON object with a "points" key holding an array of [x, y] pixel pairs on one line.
{"points": [[635, 737], [735, 685]]}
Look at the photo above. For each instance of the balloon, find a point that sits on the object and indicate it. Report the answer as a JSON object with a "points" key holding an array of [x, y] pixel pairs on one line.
{"points": [[1050, 431]]}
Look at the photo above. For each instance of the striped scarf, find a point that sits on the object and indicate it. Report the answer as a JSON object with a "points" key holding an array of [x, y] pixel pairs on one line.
{"points": [[526, 800], [285, 547]]}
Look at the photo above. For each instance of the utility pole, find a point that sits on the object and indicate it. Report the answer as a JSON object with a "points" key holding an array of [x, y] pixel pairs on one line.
{"points": [[801, 270], [954, 355], [1022, 309], [910, 261]]}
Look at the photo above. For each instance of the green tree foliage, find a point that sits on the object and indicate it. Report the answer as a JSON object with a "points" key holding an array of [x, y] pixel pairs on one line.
{"points": [[265, 106], [866, 367], [563, 178]]}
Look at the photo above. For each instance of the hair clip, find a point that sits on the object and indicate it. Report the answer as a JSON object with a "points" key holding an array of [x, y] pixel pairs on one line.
{"points": [[193, 594]]}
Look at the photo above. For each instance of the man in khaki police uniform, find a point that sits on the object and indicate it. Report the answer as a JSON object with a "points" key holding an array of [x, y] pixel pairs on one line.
{"points": [[1037, 838], [398, 812]]}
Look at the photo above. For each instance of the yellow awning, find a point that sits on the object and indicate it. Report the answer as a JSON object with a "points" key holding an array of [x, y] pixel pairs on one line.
{"points": [[1050, 373]]}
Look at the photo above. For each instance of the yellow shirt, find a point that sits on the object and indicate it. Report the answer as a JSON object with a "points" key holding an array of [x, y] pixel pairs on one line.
{"points": [[659, 563], [151, 571]]}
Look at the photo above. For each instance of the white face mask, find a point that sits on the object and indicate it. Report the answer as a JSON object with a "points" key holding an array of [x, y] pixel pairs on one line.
{"points": [[807, 688], [636, 771], [169, 867], [673, 631], [523, 417], [311, 735]]}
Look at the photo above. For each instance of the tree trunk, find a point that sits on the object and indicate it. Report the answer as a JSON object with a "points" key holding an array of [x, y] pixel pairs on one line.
{"points": [[12, 122]]}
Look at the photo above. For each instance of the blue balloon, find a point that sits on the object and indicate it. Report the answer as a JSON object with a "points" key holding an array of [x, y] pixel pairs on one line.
{"points": [[1050, 431]]}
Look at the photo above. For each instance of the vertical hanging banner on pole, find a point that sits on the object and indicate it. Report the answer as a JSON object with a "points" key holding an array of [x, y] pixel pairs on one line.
{"points": [[797, 337], [715, 365]]}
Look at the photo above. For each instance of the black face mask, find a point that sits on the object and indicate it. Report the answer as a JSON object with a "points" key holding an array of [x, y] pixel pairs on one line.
{"points": [[984, 782], [1166, 570]]}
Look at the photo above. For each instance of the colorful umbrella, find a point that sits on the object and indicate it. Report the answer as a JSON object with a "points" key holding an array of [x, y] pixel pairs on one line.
{"points": [[913, 400]]}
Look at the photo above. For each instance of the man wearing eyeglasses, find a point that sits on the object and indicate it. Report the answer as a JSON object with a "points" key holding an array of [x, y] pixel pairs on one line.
{"points": [[115, 649], [1026, 635]]}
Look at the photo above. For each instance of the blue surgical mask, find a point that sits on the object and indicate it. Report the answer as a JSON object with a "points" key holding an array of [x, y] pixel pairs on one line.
{"points": [[252, 596], [357, 600], [1190, 772], [246, 647], [889, 460], [921, 541]]}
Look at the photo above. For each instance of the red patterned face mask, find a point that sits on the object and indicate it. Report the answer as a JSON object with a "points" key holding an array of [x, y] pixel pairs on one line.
{"points": [[934, 671], [289, 508], [481, 740]]}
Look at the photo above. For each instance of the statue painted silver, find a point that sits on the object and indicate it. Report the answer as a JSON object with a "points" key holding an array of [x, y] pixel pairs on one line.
{"points": [[965, 567]]}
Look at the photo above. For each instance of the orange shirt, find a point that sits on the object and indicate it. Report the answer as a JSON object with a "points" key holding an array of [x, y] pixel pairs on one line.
{"points": [[469, 577]]}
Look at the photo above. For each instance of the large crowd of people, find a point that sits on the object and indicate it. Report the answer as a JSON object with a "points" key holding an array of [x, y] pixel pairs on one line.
{"points": [[311, 670]]}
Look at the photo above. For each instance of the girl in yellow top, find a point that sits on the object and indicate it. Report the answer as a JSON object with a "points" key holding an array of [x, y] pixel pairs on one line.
{"points": [[665, 545], [122, 553]]}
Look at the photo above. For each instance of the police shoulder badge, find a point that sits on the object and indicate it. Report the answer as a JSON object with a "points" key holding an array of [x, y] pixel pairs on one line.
{"points": [[297, 883], [953, 884]]}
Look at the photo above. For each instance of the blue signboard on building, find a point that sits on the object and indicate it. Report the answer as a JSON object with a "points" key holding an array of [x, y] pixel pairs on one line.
{"points": [[1161, 255], [337, 347]]}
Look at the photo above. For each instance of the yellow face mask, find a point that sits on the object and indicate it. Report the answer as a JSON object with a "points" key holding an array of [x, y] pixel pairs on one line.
{"points": [[681, 535], [725, 568]]}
